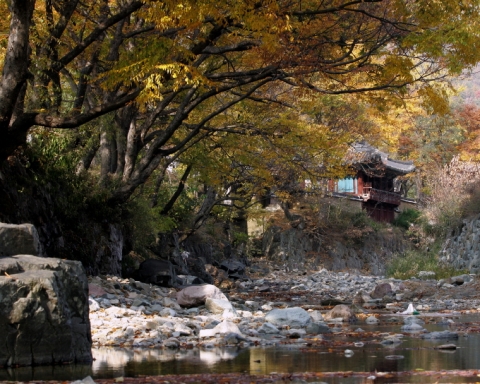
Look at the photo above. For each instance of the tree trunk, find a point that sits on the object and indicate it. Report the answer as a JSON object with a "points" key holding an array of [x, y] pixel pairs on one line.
{"points": [[14, 74], [92, 148], [107, 153], [178, 192]]}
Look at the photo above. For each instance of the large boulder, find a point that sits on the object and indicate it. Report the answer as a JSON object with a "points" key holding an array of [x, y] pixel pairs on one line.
{"points": [[196, 295], [43, 311], [19, 239], [158, 272], [293, 317]]}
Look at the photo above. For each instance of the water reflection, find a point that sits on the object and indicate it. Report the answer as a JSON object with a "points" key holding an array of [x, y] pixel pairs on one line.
{"points": [[412, 353], [114, 362]]}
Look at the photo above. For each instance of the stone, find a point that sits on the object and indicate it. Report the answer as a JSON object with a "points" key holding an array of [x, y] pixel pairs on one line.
{"points": [[391, 341], [293, 317], [341, 311], [316, 316], [413, 327], [294, 333], [225, 327], [234, 268], [158, 272], [95, 290], [44, 311], [371, 320], [196, 295], [268, 328], [440, 335], [171, 343], [381, 290], [447, 346], [218, 306], [19, 239], [317, 328], [188, 280], [93, 305], [167, 312]]}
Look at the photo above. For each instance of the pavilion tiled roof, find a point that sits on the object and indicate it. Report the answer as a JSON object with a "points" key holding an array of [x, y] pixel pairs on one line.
{"points": [[362, 154]]}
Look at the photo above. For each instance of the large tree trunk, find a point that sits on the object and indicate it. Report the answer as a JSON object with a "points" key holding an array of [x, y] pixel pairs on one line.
{"points": [[14, 75]]}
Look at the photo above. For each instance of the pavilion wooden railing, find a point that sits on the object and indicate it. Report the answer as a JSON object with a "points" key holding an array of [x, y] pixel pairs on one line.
{"points": [[381, 196]]}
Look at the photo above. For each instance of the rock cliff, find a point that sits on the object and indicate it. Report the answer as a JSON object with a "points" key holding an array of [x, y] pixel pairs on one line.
{"points": [[462, 247], [43, 305], [299, 248]]}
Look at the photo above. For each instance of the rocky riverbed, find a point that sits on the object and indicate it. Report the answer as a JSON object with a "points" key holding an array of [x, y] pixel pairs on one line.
{"points": [[263, 310]]}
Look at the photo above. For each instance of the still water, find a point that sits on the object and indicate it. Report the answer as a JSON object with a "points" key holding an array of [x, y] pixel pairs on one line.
{"points": [[412, 354]]}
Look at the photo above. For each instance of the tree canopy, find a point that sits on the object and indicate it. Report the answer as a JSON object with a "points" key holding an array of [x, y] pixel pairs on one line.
{"points": [[244, 90]]}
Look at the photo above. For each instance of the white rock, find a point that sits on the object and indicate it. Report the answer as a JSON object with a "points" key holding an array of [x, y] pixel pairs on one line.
{"points": [[168, 312], [218, 306], [223, 328], [93, 306], [196, 295]]}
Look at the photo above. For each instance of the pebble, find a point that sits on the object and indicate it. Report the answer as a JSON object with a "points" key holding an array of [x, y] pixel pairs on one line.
{"points": [[126, 313]]}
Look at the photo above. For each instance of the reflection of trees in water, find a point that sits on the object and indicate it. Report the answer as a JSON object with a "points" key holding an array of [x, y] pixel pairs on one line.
{"points": [[123, 362], [291, 358]]}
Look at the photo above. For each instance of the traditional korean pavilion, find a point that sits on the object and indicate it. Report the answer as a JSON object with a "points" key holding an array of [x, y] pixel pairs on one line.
{"points": [[373, 180]]}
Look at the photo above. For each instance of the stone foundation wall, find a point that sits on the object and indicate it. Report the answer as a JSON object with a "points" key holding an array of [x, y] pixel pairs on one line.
{"points": [[462, 249], [295, 248]]}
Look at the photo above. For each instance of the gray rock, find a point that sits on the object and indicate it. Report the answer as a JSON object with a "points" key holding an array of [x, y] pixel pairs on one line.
{"points": [[294, 333], [156, 308], [391, 341], [139, 301], [268, 328], [43, 311], [166, 312], [252, 304], [413, 327], [317, 328], [158, 272], [440, 335], [316, 316], [21, 239], [292, 317], [371, 320], [381, 290], [171, 343]]}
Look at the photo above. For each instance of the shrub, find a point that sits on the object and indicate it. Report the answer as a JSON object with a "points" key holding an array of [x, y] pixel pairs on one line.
{"points": [[406, 218], [410, 263]]}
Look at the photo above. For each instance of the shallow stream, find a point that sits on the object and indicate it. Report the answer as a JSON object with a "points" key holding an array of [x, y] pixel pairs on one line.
{"points": [[413, 353]]}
